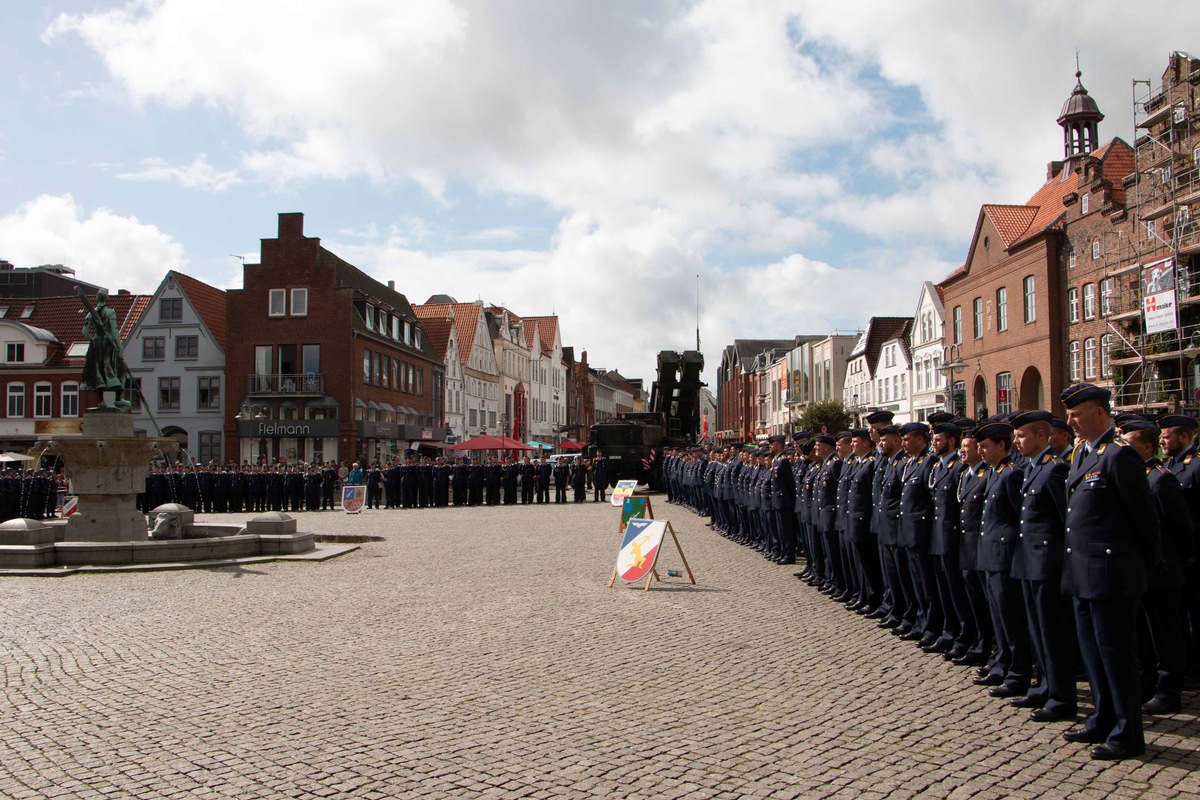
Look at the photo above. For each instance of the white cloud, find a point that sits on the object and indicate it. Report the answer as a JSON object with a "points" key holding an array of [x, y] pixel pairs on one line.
{"points": [[197, 175], [102, 247]]}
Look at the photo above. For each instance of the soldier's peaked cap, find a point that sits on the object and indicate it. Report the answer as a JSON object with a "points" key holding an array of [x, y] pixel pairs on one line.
{"points": [[1177, 421], [1020, 418], [1083, 392], [876, 417]]}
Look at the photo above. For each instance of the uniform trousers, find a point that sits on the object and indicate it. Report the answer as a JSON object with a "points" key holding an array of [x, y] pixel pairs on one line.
{"points": [[1013, 660], [1052, 633], [1108, 643]]}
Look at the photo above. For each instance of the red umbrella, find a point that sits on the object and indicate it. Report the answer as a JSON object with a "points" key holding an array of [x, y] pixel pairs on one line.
{"points": [[513, 444], [571, 445]]}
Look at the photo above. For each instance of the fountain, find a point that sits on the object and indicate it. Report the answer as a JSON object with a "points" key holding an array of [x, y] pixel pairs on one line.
{"points": [[107, 466]]}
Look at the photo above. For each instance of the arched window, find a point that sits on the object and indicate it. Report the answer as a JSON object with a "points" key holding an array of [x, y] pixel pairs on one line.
{"points": [[1106, 355], [1076, 367], [1089, 358]]}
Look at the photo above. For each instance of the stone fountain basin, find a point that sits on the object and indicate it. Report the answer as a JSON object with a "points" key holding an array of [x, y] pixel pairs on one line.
{"points": [[34, 544]]}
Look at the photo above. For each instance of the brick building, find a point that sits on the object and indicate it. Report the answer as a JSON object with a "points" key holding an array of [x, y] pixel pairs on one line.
{"points": [[1013, 294], [738, 385], [43, 353], [324, 362]]}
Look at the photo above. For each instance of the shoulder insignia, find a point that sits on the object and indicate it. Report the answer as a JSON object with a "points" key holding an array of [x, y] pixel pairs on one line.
{"points": [[1188, 458], [1162, 469], [1047, 458]]}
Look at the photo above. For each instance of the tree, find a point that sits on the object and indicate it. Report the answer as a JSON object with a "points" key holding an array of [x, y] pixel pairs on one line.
{"points": [[830, 416]]}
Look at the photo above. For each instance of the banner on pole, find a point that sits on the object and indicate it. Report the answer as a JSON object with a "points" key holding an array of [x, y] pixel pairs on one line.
{"points": [[1158, 296], [354, 498]]}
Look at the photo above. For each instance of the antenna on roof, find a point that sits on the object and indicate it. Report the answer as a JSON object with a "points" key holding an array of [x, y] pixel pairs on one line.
{"points": [[239, 258], [697, 313]]}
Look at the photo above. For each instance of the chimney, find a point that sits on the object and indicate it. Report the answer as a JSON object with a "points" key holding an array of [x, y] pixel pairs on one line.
{"points": [[122, 291], [291, 225], [392, 285], [1052, 169]]}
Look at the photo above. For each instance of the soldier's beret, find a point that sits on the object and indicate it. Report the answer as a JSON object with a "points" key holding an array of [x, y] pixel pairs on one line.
{"points": [[968, 429], [1020, 418], [939, 416], [886, 429], [914, 427], [763, 451], [1142, 425], [876, 417], [789, 451], [994, 430], [776, 439], [1121, 420], [806, 446], [824, 438], [1177, 421], [948, 428], [1060, 424], [840, 435], [800, 436], [1083, 392], [861, 433]]}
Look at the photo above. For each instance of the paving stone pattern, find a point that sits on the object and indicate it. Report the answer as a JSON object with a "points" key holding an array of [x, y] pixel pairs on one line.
{"points": [[479, 653]]}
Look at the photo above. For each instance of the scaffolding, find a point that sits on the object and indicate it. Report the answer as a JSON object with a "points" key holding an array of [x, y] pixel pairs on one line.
{"points": [[1156, 372]]}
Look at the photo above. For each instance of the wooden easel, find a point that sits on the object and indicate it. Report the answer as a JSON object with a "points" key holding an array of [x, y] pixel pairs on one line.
{"points": [[653, 570], [648, 515]]}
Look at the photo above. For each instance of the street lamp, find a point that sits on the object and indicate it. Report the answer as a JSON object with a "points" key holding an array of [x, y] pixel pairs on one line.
{"points": [[952, 363]]}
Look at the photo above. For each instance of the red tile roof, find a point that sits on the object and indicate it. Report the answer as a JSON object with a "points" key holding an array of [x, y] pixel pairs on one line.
{"points": [[63, 318], [1011, 221], [437, 330], [466, 320], [209, 302], [546, 328]]}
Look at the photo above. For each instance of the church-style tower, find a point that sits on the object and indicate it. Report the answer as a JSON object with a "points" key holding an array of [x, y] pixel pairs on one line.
{"points": [[1080, 121]]}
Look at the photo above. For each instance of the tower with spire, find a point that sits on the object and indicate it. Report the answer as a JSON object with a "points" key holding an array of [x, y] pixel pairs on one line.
{"points": [[1080, 121]]}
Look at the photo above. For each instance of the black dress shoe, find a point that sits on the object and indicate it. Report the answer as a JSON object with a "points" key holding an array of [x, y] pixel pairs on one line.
{"points": [[890, 622], [867, 610], [926, 641], [1051, 714], [1083, 736], [1004, 690], [991, 679], [1161, 705], [983, 670], [1026, 702], [911, 636], [953, 653], [878, 613], [1114, 752], [903, 630], [971, 660]]}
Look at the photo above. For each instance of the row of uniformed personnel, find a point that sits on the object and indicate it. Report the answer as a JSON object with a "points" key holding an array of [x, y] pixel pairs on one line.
{"points": [[413, 483], [1000, 544]]}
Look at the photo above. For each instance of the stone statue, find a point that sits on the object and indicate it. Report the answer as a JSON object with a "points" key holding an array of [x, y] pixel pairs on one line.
{"points": [[167, 526], [104, 368]]}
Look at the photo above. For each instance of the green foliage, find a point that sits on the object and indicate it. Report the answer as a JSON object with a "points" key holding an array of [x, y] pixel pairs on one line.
{"points": [[832, 415]]}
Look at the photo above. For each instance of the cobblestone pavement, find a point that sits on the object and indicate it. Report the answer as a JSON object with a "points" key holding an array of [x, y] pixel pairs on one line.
{"points": [[479, 653]]}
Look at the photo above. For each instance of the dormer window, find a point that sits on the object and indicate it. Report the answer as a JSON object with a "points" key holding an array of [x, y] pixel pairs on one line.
{"points": [[14, 352], [1083, 204], [27, 312]]}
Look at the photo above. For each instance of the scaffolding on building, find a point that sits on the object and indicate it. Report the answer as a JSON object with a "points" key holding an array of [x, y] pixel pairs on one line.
{"points": [[1152, 356]]}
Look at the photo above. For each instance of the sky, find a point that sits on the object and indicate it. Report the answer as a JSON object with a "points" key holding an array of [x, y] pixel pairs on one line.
{"points": [[783, 168]]}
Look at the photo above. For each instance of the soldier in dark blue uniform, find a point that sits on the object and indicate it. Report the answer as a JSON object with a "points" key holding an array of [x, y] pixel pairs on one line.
{"points": [[492, 475], [973, 650], [845, 454], [461, 478], [1179, 445], [1039, 568], [1112, 537], [999, 535], [424, 483], [544, 473], [901, 613], [916, 529], [475, 483], [1162, 604], [824, 512], [860, 533], [782, 492], [945, 539]]}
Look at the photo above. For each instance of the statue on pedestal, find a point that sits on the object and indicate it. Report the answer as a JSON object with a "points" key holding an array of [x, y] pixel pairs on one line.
{"points": [[104, 368]]}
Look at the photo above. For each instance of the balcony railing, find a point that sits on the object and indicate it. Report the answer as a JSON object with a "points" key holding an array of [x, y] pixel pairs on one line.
{"points": [[309, 383]]}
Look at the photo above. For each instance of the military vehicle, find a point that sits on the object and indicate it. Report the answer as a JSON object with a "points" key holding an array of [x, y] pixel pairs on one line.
{"points": [[633, 442]]}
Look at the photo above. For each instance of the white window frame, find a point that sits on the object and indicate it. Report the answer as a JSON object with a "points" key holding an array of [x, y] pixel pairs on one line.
{"points": [[299, 298], [1076, 367], [977, 317], [16, 411], [1002, 309], [1083, 203], [1071, 258], [43, 400], [1095, 249], [1073, 304], [277, 303], [69, 391], [1089, 358], [1106, 355], [1029, 291], [1089, 301], [1106, 297]]}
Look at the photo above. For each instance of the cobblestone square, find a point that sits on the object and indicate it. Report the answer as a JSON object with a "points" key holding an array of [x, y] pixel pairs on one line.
{"points": [[478, 652]]}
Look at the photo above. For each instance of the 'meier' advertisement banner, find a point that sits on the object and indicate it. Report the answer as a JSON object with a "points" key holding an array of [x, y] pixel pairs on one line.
{"points": [[1158, 296]]}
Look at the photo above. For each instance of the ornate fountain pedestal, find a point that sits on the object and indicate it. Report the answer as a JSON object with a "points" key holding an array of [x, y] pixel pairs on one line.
{"points": [[107, 466]]}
